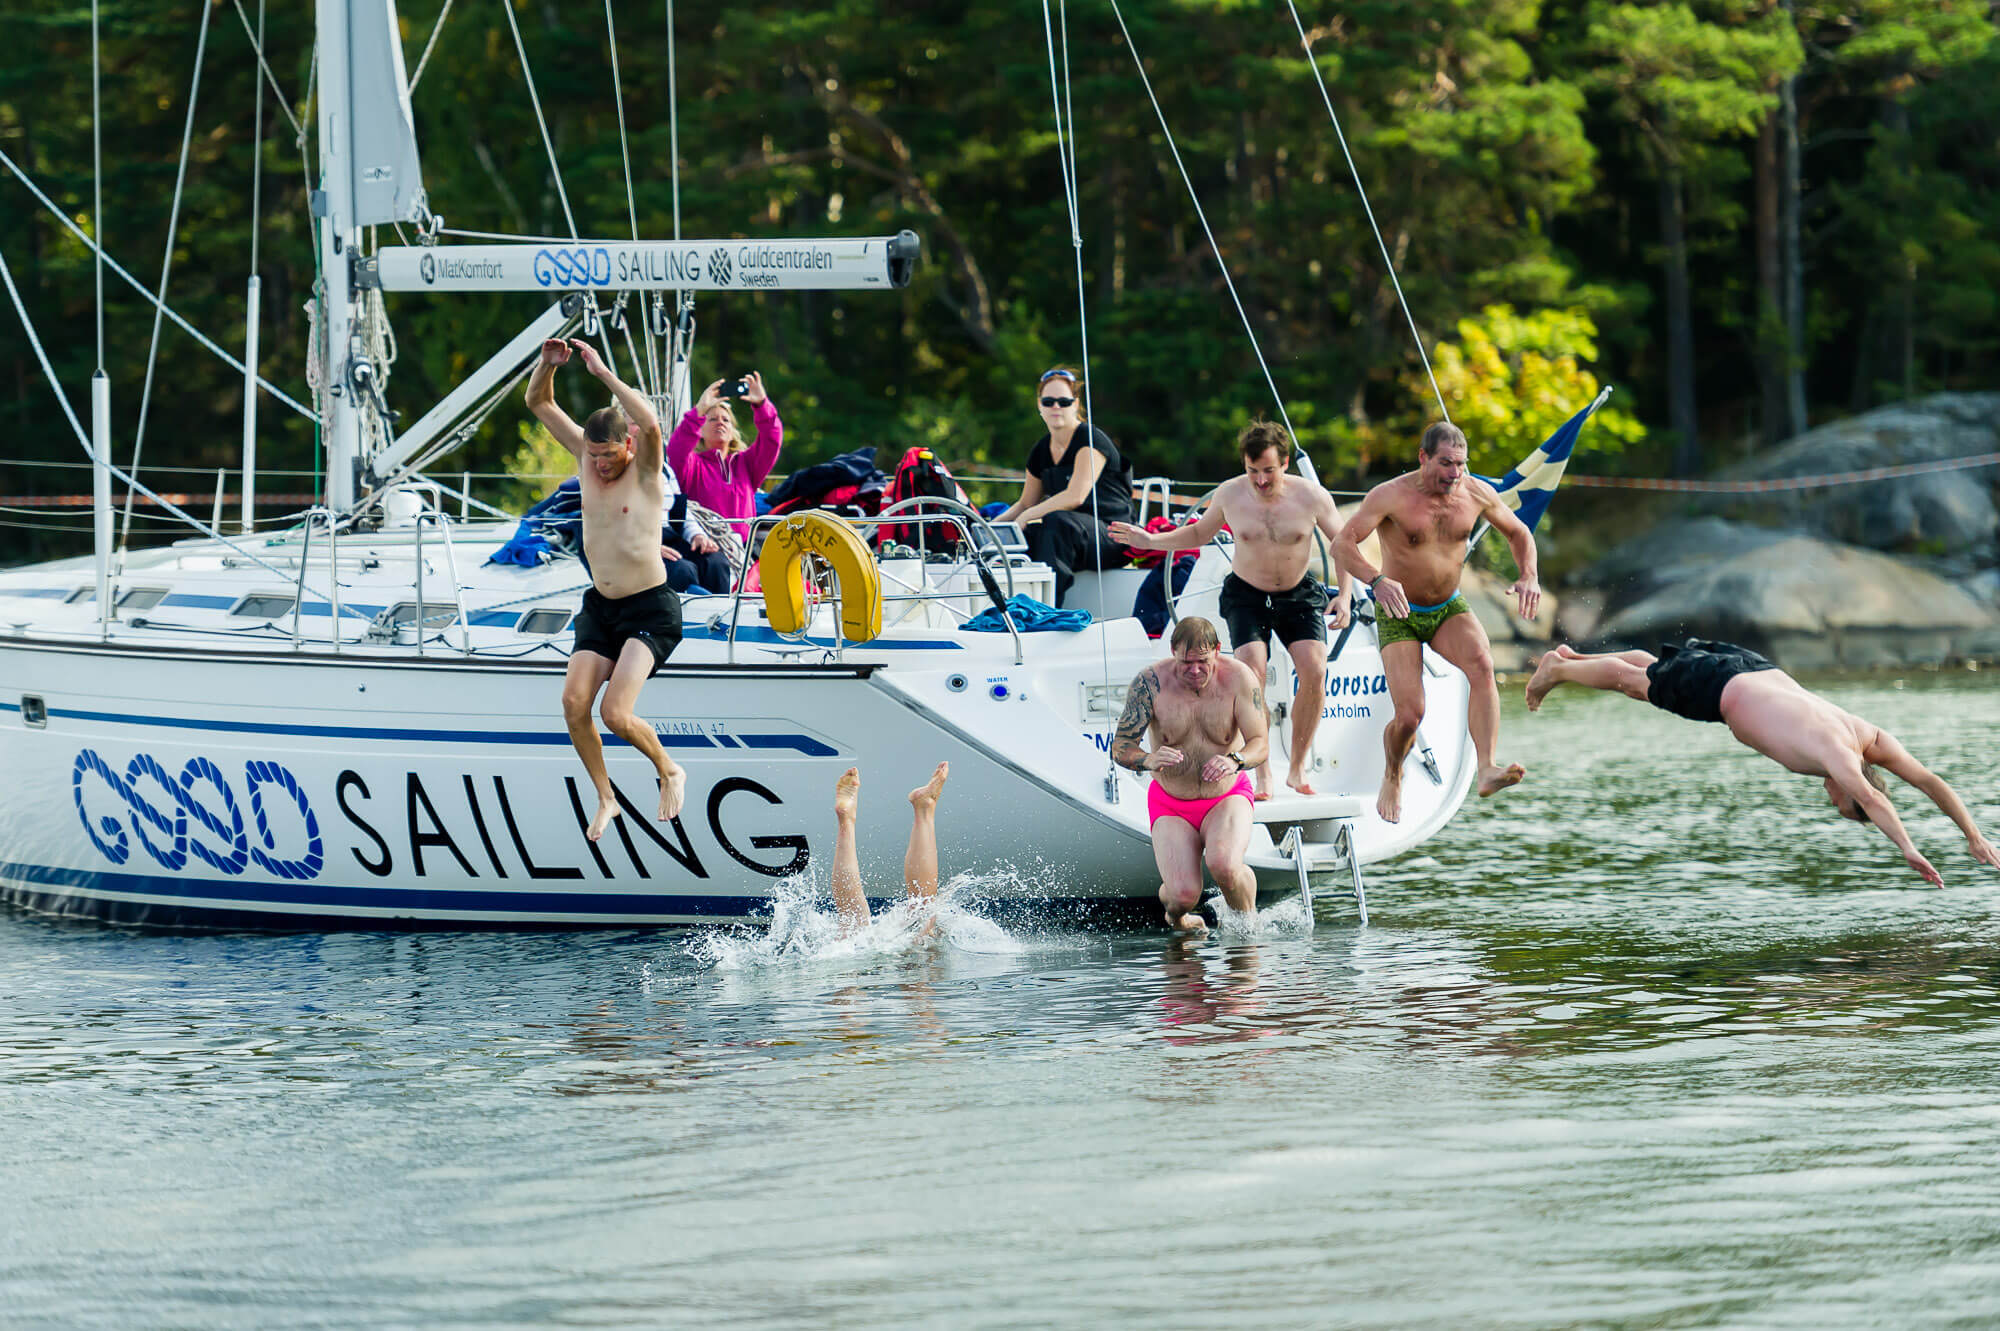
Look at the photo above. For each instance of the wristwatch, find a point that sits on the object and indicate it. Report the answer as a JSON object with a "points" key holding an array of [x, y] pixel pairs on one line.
{"points": [[1236, 758]]}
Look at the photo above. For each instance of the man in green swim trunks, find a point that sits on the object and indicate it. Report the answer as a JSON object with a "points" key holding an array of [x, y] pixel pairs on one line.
{"points": [[1425, 518]]}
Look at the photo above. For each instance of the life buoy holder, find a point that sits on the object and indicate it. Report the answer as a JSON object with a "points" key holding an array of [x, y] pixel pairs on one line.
{"points": [[822, 534]]}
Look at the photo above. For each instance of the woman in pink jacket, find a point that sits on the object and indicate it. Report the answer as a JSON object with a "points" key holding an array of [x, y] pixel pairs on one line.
{"points": [[713, 464]]}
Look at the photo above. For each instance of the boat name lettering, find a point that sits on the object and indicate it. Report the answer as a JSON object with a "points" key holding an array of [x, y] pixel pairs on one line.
{"points": [[1356, 686], [465, 828], [654, 263], [573, 266], [218, 837]]}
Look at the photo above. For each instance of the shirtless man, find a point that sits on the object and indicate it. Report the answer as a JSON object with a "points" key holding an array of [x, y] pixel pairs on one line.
{"points": [[1205, 714], [631, 618], [1426, 517], [1772, 713], [1271, 514]]}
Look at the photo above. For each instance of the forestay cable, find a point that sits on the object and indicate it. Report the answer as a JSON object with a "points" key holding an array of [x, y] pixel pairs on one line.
{"points": [[1360, 189], [541, 123], [166, 269], [139, 287], [1066, 157], [83, 440], [436, 30]]}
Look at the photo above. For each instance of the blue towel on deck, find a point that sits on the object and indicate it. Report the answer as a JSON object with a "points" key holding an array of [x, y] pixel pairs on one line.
{"points": [[1030, 616]]}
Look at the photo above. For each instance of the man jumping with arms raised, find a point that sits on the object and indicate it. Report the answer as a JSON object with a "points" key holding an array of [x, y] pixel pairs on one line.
{"points": [[1205, 714], [631, 619], [1426, 517], [1272, 515], [1769, 711]]}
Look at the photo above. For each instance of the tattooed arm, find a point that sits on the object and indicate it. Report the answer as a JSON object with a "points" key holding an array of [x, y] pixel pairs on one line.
{"points": [[1127, 749], [1253, 721]]}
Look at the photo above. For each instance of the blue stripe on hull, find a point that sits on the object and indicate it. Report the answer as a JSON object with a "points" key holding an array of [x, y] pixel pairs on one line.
{"points": [[805, 744], [193, 903]]}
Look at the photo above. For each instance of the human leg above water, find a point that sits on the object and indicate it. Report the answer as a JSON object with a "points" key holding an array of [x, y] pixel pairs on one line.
{"points": [[1177, 852], [586, 675], [1403, 664], [1612, 672], [1461, 640], [635, 664]]}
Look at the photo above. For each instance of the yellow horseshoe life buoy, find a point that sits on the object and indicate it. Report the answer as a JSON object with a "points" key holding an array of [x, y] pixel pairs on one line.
{"points": [[839, 545]]}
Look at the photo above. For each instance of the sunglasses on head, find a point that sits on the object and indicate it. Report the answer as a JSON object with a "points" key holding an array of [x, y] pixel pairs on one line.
{"points": [[1058, 401]]}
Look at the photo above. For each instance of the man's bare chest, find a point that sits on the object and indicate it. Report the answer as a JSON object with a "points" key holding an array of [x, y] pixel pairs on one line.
{"points": [[1426, 521], [1187, 718]]}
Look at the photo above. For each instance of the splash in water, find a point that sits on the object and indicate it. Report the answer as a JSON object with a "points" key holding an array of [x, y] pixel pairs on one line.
{"points": [[1289, 918], [805, 928]]}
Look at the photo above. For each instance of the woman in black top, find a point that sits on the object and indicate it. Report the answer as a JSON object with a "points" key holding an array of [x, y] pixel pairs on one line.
{"points": [[1077, 485]]}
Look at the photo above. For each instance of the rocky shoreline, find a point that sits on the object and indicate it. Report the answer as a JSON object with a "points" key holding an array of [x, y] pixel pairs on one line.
{"points": [[1894, 572]]}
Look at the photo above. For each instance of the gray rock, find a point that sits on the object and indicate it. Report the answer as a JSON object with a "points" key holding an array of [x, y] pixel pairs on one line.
{"points": [[1671, 553], [1950, 513], [1810, 604]]}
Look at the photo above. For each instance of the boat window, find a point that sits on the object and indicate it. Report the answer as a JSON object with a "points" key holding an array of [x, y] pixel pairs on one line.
{"points": [[80, 595], [544, 622], [263, 605], [405, 612], [141, 598]]}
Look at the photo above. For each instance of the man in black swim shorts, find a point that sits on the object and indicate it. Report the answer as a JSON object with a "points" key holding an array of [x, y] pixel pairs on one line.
{"points": [[1272, 514], [1769, 711], [631, 618]]}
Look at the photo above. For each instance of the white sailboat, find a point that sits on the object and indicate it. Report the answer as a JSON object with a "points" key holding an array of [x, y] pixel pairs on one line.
{"points": [[355, 720]]}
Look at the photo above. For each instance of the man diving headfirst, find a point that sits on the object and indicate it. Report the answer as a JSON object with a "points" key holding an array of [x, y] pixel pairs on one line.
{"points": [[1774, 714], [631, 618], [1426, 517]]}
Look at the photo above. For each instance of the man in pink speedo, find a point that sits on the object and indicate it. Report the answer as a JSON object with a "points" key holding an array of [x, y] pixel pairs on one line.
{"points": [[1205, 714]]}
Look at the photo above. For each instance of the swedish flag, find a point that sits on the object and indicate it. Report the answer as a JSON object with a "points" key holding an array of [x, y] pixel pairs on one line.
{"points": [[1531, 484]]}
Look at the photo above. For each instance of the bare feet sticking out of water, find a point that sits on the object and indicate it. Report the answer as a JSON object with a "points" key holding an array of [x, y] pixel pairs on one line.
{"points": [[607, 809], [847, 793], [925, 797]]}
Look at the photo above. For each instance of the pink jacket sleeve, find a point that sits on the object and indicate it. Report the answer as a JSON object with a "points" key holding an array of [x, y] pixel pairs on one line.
{"points": [[680, 448], [763, 455]]}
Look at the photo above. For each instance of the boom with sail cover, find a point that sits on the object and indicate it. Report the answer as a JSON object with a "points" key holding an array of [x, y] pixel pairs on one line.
{"points": [[635, 265]]}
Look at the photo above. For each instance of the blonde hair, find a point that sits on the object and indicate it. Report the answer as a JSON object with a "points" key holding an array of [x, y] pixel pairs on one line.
{"points": [[732, 441]]}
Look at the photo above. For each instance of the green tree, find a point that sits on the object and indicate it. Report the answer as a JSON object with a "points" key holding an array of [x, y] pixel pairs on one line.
{"points": [[1680, 81]]}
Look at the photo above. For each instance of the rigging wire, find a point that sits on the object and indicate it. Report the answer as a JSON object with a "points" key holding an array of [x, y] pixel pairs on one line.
{"points": [[257, 153], [166, 268], [618, 96], [541, 122], [83, 439], [257, 44], [1065, 113], [1213, 246], [425, 58], [631, 210], [1313, 64], [97, 179], [137, 286]]}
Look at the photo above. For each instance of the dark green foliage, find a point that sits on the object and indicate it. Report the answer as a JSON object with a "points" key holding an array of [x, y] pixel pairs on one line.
{"points": [[1513, 152]]}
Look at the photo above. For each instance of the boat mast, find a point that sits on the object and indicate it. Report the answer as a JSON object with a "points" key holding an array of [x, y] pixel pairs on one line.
{"points": [[337, 236]]}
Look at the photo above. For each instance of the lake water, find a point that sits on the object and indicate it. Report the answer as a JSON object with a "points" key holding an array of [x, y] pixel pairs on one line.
{"points": [[1653, 1041]]}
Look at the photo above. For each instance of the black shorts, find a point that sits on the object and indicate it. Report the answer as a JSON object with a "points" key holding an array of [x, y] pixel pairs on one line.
{"points": [[606, 623], [1688, 679], [1253, 615]]}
